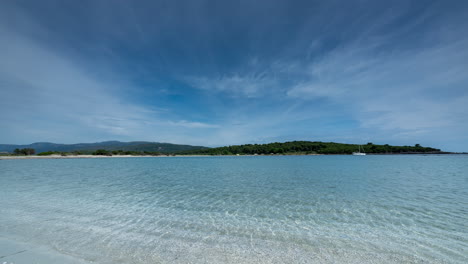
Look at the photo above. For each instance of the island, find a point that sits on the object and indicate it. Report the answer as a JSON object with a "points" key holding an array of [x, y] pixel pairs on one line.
{"points": [[146, 149]]}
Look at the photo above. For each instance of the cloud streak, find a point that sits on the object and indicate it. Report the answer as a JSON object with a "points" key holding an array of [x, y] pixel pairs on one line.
{"points": [[49, 96], [409, 90], [233, 73]]}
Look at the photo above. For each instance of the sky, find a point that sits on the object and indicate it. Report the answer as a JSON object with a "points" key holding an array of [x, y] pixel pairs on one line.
{"points": [[217, 73]]}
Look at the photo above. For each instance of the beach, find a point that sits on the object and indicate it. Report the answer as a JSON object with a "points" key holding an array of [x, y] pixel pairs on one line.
{"points": [[72, 157], [130, 156]]}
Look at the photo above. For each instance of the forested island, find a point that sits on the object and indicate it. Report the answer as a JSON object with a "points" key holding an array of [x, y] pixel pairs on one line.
{"points": [[311, 147], [165, 149]]}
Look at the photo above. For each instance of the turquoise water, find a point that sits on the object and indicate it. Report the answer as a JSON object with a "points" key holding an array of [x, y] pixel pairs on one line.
{"points": [[276, 209]]}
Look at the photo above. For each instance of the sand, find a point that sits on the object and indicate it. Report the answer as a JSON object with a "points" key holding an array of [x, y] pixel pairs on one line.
{"points": [[14, 252], [73, 157]]}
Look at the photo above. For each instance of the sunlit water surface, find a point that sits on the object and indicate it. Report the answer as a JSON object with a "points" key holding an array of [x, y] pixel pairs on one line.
{"points": [[278, 209]]}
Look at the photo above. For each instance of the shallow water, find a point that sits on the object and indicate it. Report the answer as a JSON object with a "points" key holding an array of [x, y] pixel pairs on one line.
{"points": [[275, 209]]}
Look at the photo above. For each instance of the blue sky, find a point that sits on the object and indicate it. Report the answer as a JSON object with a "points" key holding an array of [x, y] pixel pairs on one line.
{"points": [[232, 72]]}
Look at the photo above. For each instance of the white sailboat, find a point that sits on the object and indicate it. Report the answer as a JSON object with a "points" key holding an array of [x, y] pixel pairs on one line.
{"points": [[359, 153]]}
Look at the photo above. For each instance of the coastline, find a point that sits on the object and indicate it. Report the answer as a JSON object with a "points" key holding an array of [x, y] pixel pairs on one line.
{"points": [[96, 156], [131, 156], [71, 157], [169, 156]]}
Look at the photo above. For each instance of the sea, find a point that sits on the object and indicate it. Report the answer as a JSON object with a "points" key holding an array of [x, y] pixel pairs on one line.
{"points": [[255, 209]]}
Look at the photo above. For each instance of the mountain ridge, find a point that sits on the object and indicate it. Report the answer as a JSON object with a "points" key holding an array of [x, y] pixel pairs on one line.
{"points": [[107, 145]]}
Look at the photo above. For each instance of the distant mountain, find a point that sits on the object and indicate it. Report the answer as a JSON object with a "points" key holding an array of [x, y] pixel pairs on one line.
{"points": [[107, 145]]}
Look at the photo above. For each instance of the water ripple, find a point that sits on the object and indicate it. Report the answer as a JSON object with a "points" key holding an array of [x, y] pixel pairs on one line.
{"points": [[320, 209]]}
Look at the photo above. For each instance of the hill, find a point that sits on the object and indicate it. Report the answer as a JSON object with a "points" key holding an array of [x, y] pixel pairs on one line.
{"points": [[107, 145], [309, 147]]}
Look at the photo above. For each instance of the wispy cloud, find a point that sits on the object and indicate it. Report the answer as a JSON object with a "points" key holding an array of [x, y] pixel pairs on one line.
{"points": [[394, 72], [48, 95], [409, 89], [37, 80], [390, 90], [188, 124], [238, 85]]}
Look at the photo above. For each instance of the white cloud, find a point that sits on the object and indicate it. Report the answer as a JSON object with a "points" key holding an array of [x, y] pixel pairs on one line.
{"points": [[408, 93], [409, 89], [48, 96], [243, 85], [188, 124], [371, 80]]}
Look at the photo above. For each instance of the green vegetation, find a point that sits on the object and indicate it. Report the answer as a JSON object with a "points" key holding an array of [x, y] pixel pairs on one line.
{"points": [[89, 148], [286, 148], [24, 151], [308, 147], [48, 153], [104, 152]]}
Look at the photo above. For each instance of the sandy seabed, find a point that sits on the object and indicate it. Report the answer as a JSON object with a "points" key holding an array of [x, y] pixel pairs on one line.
{"points": [[14, 252]]}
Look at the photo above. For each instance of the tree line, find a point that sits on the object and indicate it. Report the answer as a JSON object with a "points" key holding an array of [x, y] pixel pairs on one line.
{"points": [[293, 147], [102, 152], [24, 151], [309, 147]]}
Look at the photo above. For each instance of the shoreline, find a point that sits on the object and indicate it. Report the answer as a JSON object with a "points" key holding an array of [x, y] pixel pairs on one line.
{"points": [[169, 156], [73, 157]]}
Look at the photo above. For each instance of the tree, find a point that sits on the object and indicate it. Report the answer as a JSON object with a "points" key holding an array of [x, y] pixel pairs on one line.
{"points": [[307, 147], [25, 151], [102, 152], [29, 151]]}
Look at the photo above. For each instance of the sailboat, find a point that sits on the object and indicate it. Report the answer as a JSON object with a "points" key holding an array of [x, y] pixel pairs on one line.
{"points": [[359, 153]]}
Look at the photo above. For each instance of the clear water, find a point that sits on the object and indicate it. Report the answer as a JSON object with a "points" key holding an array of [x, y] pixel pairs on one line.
{"points": [[291, 209]]}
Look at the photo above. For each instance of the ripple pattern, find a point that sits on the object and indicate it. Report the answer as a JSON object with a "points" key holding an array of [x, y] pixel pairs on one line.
{"points": [[282, 209]]}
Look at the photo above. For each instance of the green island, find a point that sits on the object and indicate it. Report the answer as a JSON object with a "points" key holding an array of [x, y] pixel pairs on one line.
{"points": [[311, 147], [277, 148]]}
